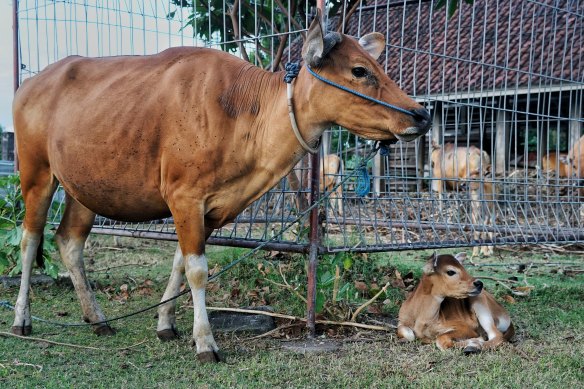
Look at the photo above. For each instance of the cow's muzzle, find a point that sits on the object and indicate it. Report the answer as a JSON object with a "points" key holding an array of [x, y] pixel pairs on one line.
{"points": [[478, 288], [421, 125], [422, 119]]}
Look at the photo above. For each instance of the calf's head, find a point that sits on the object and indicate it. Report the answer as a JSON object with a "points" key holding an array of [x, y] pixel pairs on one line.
{"points": [[449, 278], [353, 64]]}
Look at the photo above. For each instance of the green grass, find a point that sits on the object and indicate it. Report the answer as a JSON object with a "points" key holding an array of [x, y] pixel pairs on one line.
{"points": [[548, 352]]}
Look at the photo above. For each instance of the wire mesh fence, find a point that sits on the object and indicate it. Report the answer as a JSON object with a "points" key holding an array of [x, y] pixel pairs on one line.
{"points": [[503, 80]]}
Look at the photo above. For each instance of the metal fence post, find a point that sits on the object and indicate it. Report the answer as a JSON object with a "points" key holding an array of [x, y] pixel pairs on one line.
{"points": [[314, 242], [15, 62]]}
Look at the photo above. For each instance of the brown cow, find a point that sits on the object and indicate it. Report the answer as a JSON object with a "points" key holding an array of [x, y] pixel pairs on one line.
{"points": [[575, 160], [194, 133], [449, 306], [557, 163], [331, 169], [462, 168], [330, 180]]}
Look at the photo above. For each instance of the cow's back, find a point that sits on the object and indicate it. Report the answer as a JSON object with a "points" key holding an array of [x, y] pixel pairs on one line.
{"points": [[111, 124]]}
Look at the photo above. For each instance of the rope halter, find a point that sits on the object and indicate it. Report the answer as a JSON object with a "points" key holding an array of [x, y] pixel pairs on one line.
{"points": [[292, 70]]}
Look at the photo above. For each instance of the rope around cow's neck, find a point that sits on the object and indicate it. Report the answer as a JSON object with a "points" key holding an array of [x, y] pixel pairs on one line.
{"points": [[363, 163], [292, 70]]}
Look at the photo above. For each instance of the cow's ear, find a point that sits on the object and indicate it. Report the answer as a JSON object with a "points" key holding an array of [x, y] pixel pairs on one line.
{"points": [[312, 51], [373, 43], [460, 257]]}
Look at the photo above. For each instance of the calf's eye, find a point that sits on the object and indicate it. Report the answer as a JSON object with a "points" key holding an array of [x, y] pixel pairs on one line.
{"points": [[359, 71], [451, 273]]}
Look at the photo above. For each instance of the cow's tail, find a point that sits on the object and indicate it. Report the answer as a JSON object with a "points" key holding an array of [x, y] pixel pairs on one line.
{"points": [[40, 260]]}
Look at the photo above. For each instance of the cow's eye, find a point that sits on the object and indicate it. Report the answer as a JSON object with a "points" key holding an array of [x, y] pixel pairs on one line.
{"points": [[451, 273], [359, 71]]}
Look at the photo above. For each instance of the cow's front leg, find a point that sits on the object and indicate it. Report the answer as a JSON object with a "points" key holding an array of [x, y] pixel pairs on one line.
{"points": [[460, 336], [166, 328], [197, 273], [192, 234]]}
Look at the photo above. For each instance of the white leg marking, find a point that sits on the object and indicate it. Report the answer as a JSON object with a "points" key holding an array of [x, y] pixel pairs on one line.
{"points": [[406, 332], [504, 323], [196, 270], [486, 320], [28, 249], [72, 255], [166, 312]]}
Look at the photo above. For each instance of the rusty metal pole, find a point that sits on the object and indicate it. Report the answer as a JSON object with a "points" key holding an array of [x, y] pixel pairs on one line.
{"points": [[314, 231], [16, 62], [314, 243]]}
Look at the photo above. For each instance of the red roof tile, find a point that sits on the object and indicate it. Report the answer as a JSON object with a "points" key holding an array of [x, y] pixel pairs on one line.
{"points": [[491, 45]]}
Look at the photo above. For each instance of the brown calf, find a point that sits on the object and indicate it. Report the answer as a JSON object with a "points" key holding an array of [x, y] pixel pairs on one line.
{"points": [[461, 168], [449, 306]]}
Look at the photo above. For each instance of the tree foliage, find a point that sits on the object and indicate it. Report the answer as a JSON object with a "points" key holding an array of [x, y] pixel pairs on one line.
{"points": [[257, 29]]}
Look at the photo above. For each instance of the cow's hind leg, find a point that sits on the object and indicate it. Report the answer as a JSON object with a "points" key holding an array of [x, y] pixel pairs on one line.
{"points": [[37, 191], [166, 329], [71, 235]]}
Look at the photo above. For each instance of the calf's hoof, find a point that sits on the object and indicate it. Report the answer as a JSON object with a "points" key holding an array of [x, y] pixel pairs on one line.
{"points": [[168, 334], [471, 350], [104, 330], [209, 357], [22, 330]]}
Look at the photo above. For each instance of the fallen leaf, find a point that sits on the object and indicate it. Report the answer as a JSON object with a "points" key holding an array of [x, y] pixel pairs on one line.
{"points": [[374, 309], [361, 286]]}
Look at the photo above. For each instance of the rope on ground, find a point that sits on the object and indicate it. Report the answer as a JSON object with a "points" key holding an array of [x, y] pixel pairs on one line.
{"points": [[289, 317], [41, 340]]}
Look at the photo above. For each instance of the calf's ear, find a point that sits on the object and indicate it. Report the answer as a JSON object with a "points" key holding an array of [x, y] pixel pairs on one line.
{"points": [[431, 264], [428, 268], [460, 257]]}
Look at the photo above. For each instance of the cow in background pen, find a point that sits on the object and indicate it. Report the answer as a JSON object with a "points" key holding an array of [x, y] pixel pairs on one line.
{"points": [[464, 168], [330, 180], [331, 170], [556, 163], [575, 161]]}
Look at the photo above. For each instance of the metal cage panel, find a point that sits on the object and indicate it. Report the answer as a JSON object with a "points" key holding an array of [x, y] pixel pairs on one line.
{"points": [[504, 82]]}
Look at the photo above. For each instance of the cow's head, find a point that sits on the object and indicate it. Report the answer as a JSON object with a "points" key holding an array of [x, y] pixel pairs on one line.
{"points": [[353, 64], [572, 168], [450, 278]]}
